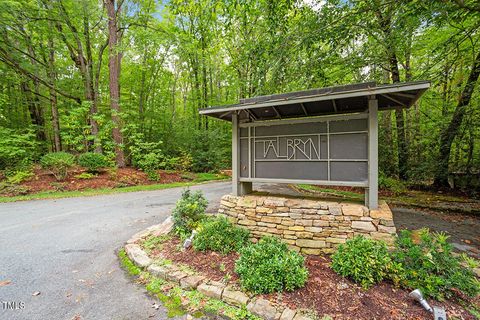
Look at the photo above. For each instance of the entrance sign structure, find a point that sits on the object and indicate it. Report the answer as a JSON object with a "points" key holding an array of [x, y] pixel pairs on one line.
{"points": [[326, 136]]}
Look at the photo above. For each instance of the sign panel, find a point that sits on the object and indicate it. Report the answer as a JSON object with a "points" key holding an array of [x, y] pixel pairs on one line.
{"points": [[320, 150]]}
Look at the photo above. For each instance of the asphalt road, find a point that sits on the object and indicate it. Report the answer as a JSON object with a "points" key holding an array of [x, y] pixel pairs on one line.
{"points": [[66, 250]]}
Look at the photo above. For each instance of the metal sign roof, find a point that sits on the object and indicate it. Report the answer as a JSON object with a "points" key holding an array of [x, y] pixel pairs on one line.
{"points": [[323, 101]]}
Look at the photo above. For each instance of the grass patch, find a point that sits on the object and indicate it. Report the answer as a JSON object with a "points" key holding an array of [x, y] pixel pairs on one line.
{"points": [[163, 262], [127, 264], [219, 307], [348, 195], [201, 177], [179, 302], [153, 242], [155, 286], [207, 176]]}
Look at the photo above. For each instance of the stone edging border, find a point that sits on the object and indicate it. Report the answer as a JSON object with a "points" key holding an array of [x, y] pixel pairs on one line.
{"points": [[213, 289]]}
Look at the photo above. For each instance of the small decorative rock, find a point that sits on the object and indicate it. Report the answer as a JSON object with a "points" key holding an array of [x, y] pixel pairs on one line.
{"points": [[264, 309], [159, 271], [137, 255], [191, 282], [310, 251], [247, 202], [212, 289], [352, 210], [234, 297], [342, 285], [335, 210], [138, 236], [383, 212], [363, 225], [274, 202], [310, 243], [164, 227], [288, 314], [391, 230], [300, 316], [176, 276]]}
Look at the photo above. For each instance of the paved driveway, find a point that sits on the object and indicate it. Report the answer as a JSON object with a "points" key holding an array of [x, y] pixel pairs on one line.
{"points": [[65, 249]]}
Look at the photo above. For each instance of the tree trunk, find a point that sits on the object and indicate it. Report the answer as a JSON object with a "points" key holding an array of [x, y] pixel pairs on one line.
{"points": [[400, 122], [91, 92], [448, 134], [82, 62], [141, 101], [114, 86], [57, 143], [197, 93], [471, 149], [36, 115], [35, 107]]}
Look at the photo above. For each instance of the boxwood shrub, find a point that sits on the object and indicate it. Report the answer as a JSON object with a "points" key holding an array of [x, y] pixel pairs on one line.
{"points": [[219, 234], [429, 264], [58, 163], [365, 261], [420, 259], [92, 161], [188, 212], [269, 266]]}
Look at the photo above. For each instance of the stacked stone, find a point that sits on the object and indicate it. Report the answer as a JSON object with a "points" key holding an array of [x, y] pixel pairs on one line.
{"points": [[309, 226]]}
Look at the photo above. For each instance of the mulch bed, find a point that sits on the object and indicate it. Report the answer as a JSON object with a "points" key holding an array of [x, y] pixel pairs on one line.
{"points": [[215, 266], [123, 177], [325, 292], [328, 293]]}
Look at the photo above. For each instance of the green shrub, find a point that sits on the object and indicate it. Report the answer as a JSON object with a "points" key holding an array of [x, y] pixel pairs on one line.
{"points": [[172, 163], [11, 185], [364, 260], [93, 162], [429, 265], [16, 148], [181, 163], [188, 176], [58, 163], [59, 186], [186, 161], [391, 184], [13, 189], [269, 266], [219, 234], [85, 176], [150, 163], [19, 176], [188, 212], [148, 157], [210, 150]]}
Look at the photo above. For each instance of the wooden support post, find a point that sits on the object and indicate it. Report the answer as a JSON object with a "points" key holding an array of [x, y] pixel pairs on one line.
{"points": [[238, 188], [371, 193], [235, 156]]}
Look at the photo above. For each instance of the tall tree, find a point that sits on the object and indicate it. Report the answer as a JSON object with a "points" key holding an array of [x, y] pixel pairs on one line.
{"points": [[114, 63], [450, 132]]}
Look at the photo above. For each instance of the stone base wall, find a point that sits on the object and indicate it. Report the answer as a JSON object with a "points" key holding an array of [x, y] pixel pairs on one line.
{"points": [[309, 226]]}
